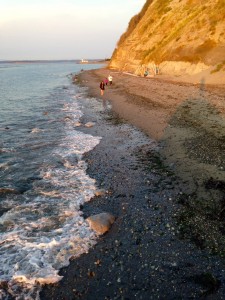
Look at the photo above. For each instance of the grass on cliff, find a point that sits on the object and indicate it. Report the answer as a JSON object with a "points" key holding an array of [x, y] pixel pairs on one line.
{"points": [[162, 6], [134, 22], [157, 54], [175, 35], [219, 67]]}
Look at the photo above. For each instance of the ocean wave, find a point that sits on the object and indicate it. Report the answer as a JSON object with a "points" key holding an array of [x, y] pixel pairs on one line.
{"points": [[44, 227]]}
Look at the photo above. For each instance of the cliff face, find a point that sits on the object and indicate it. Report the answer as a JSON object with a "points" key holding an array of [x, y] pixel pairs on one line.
{"points": [[174, 37]]}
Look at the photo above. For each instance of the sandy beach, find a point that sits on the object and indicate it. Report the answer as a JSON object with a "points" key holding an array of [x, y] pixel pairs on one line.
{"points": [[161, 163]]}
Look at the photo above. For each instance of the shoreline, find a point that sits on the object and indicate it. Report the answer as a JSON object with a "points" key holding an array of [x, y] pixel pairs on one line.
{"points": [[149, 178], [169, 112]]}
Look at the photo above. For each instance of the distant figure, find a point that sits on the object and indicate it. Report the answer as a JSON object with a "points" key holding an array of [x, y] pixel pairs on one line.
{"points": [[102, 87], [110, 79], [202, 88], [106, 81]]}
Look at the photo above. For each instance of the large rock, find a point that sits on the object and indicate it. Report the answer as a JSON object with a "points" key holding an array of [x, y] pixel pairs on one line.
{"points": [[101, 223]]}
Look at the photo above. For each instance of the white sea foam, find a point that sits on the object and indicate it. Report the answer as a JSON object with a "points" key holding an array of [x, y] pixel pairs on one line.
{"points": [[6, 150], [4, 166], [36, 130], [44, 231]]}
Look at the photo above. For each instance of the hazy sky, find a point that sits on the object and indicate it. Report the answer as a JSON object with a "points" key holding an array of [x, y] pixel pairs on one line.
{"points": [[63, 29]]}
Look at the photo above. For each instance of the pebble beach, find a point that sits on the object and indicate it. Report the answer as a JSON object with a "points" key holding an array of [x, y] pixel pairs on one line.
{"points": [[160, 166]]}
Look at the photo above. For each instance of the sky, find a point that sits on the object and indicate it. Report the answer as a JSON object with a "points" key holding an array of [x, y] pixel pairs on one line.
{"points": [[63, 29]]}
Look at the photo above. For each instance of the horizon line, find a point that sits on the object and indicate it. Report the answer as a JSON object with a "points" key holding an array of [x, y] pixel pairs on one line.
{"points": [[29, 60]]}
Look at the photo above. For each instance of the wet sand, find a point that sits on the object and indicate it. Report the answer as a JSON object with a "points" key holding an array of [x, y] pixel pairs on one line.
{"points": [[161, 162]]}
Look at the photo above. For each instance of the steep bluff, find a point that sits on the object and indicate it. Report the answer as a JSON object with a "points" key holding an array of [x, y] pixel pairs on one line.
{"points": [[174, 37]]}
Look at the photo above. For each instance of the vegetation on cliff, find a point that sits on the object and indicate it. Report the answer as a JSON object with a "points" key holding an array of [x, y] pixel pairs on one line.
{"points": [[187, 31]]}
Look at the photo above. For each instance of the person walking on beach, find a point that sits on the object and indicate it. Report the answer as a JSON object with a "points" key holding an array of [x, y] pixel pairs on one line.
{"points": [[106, 81], [102, 87], [110, 79]]}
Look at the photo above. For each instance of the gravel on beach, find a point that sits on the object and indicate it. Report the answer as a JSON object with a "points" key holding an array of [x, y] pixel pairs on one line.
{"points": [[164, 186]]}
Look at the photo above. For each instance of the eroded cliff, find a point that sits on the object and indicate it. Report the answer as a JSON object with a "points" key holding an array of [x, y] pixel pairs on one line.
{"points": [[174, 37]]}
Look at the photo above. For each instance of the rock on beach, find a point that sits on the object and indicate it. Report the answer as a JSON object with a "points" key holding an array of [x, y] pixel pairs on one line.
{"points": [[100, 192], [101, 223], [89, 124]]}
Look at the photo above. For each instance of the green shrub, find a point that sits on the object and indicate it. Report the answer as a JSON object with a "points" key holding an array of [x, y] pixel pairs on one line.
{"points": [[218, 68]]}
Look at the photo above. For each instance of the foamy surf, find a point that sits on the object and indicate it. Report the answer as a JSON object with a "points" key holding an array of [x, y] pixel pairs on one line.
{"points": [[36, 130], [40, 236], [44, 227]]}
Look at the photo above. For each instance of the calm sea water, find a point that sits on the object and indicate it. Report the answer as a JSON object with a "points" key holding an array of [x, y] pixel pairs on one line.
{"points": [[43, 178]]}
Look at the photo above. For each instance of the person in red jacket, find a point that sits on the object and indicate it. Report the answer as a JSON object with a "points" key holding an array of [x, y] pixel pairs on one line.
{"points": [[102, 87], [106, 81]]}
